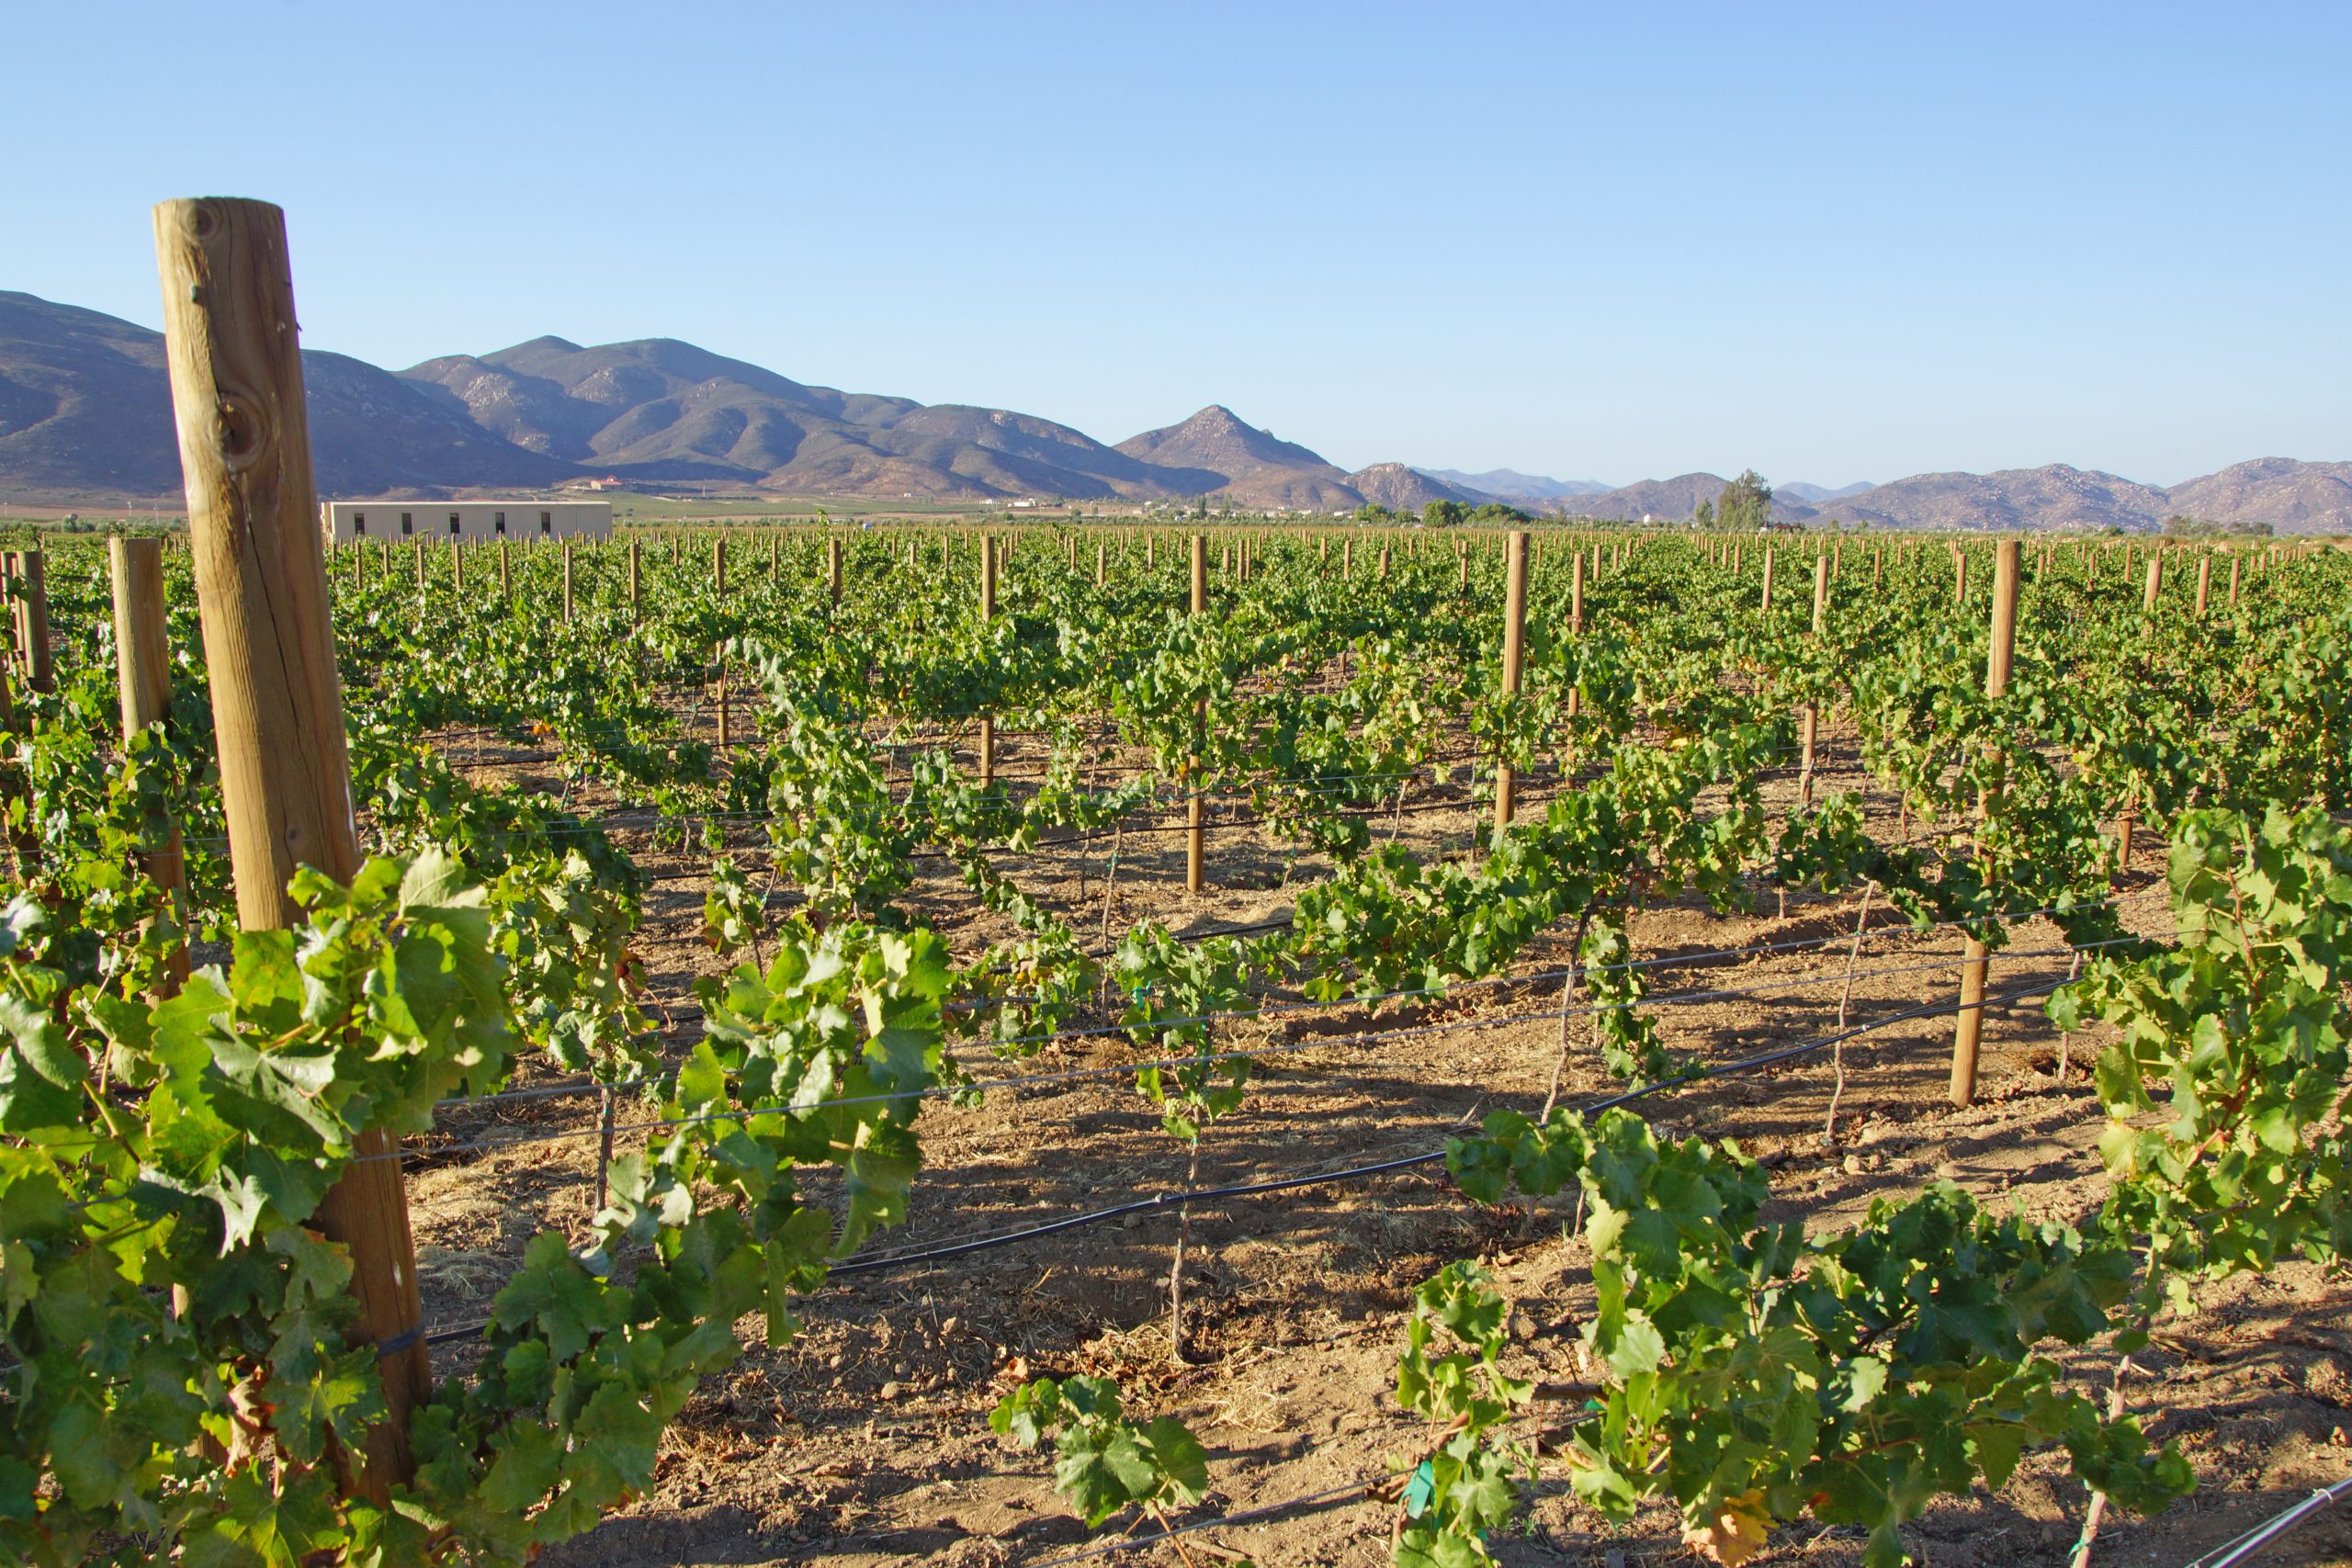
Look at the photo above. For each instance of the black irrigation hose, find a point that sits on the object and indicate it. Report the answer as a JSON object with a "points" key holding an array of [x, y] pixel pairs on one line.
{"points": [[1165, 1203], [1168, 1202]]}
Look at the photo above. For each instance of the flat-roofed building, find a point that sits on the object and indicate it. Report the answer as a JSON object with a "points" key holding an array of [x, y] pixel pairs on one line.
{"points": [[442, 521]]}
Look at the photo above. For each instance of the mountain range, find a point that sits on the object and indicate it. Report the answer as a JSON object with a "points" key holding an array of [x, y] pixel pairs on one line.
{"points": [[86, 418]]}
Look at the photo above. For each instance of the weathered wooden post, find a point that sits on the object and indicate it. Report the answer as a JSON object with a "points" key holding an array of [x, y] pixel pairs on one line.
{"points": [[2204, 581], [636, 602], [32, 620], [566, 579], [2156, 582], [236, 376], [1765, 604], [1969, 1026], [1197, 833], [144, 681], [988, 612], [506, 576], [1821, 572], [2234, 578], [1514, 634], [833, 572], [718, 567]]}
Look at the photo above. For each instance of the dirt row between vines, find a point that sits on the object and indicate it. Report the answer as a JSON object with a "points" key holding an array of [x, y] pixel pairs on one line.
{"points": [[865, 1440]]}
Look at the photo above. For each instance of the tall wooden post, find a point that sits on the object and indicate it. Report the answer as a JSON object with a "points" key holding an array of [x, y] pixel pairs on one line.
{"points": [[1197, 833], [505, 575], [1514, 634], [458, 566], [32, 620], [420, 567], [719, 566], [988, 612], [636, 602], [2154, 585], [143, 679], [834, 571], [236, 375], [2204, 582], [1812, 726], [2233, 577], [726, 735], [1765, 604], [1969, 1027], [1959, 576], [1102, 563]]}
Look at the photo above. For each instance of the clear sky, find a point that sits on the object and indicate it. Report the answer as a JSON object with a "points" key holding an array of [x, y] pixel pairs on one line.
{"points": [[1834, 243]]}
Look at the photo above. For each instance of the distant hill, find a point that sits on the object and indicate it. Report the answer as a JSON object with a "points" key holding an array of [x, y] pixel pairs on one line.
{"points": [[2054, 496], [1522, 489], [85, 419], [1670, 500], [1257, 468], [1401, 488], [85, 411], [1814, 495], [2303, 498]]}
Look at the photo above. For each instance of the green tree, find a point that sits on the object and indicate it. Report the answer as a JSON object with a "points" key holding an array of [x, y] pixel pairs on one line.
{"points": [[1745, 503], [1444, 514]]}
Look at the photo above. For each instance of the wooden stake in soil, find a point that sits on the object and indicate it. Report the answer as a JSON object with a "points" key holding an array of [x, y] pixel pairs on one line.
{"points": [[1969, 1027], [1765, 604], [144, 672], [988, 612], [567, 581], [1514, 633], [32, 620], [636, 564], [236, 376], [2155, 585], [2204, 583], [1821, 569], [833, 572], [1195, 833]]}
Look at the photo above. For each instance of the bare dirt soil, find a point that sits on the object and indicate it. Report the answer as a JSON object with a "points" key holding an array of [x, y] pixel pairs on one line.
{"points": [[865, 1440]]}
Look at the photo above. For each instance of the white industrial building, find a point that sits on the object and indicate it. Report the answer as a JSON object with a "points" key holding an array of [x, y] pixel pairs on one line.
{"points": [[412, 520]]}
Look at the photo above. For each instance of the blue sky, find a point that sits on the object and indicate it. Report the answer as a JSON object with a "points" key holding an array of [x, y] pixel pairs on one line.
{"points": [[1834, 243]]}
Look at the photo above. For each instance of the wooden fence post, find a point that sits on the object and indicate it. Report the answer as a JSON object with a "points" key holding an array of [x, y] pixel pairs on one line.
{"points": [[1765, 604], [1821, 571], [1959, 576], [1968, 1027], [988, 612], [566, 551], [1196, 834], [834, 571], [32, 620], [719, 566], [725, 733], [1514, 634], [2155, 583], [143, 680], [506, 576], [2234, 578], [2204, 581], [236, 376]]}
